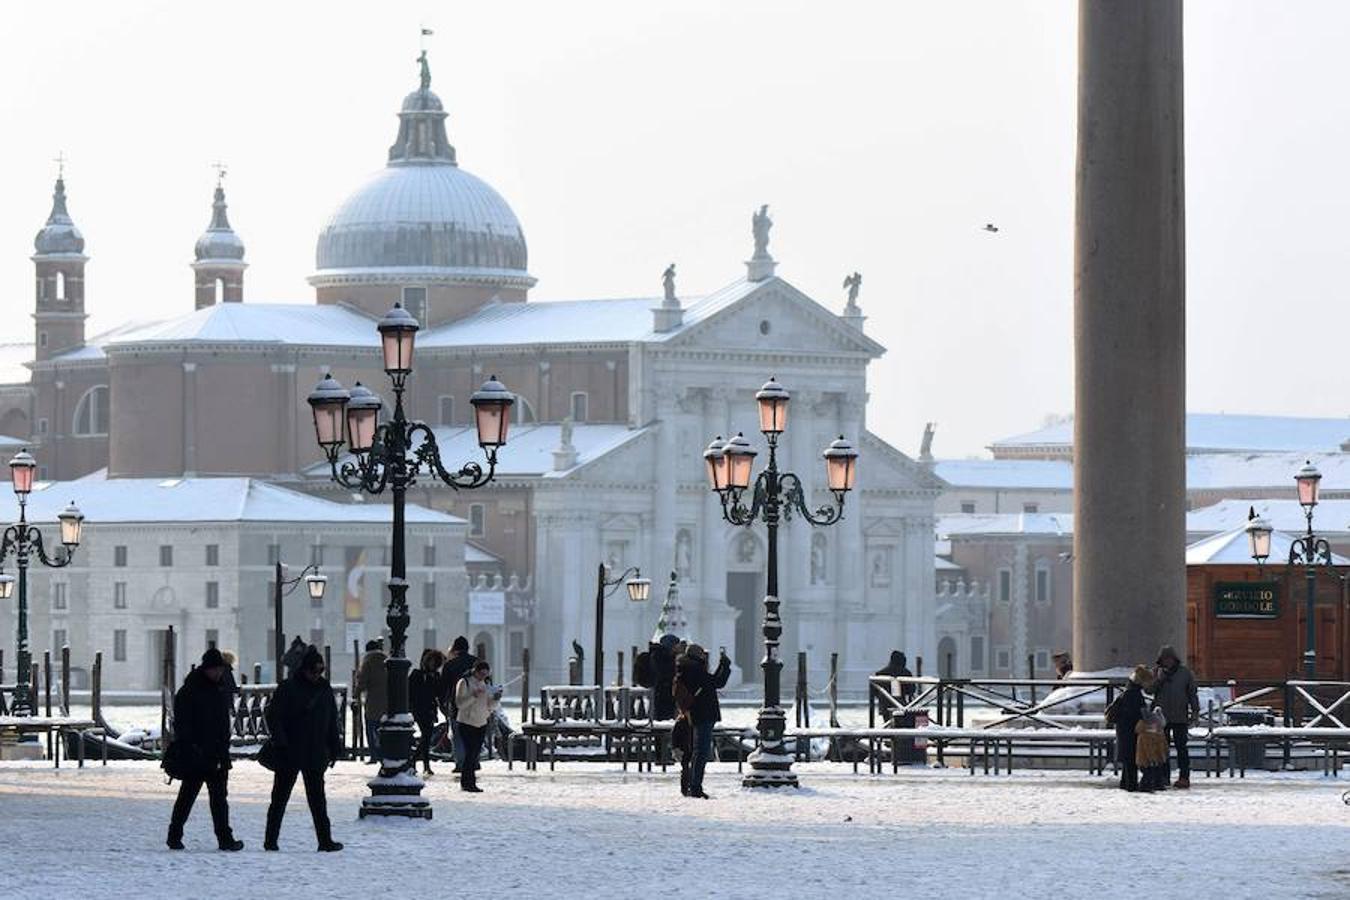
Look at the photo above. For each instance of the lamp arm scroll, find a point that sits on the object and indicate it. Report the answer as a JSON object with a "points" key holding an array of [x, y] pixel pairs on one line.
{"points": [[795, 503], [428, 453], [58, 561], [736, 512]]}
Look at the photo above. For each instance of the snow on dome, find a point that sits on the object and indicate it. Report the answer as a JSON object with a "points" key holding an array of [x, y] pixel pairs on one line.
{"points": [[423, 216], [59, 236]]}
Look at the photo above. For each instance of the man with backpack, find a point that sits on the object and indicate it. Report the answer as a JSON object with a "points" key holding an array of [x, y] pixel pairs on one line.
{"points": [[696, 693], [200, 751]]}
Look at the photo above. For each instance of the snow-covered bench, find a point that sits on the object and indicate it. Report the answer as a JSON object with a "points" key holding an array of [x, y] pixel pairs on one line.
{"points": [[1331, 741], [999, 745], [58, 726]]}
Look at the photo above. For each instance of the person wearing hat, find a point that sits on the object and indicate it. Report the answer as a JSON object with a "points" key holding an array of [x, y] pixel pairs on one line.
{"points": [[199, 752], [1175, 693], [1125, 713], [302, 720]]}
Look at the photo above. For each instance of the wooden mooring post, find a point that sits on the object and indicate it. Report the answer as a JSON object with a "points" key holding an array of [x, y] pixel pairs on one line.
{"points": [[65, 680], [524, 685], [834, 690]]}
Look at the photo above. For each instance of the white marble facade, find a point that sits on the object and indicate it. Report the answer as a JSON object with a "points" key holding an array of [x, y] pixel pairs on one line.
{"points": [[860, 588]]}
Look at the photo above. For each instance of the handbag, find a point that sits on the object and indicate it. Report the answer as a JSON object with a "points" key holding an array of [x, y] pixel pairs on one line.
{"points": [[270, 755], [682, 734]]}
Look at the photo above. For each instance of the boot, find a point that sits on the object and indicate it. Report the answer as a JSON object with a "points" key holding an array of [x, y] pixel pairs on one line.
{"points": [[174, 843], [270, 845], [1182, 783], [232, 845], [329, 846]]}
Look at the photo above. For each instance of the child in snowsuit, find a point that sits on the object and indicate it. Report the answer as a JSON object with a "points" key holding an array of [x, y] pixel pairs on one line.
{"points": [[1150, 752]]}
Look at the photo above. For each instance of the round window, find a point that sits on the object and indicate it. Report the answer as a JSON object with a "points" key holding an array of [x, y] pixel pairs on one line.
{"points": [[764, 326]]}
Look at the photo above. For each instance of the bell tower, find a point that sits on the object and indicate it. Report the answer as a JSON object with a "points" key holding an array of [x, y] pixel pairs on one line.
{"points": [[219, 256], [59, 264]]}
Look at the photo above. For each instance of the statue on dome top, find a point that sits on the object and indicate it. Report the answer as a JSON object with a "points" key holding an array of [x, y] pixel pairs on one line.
{"points": [[853, 283], [426, 71]]}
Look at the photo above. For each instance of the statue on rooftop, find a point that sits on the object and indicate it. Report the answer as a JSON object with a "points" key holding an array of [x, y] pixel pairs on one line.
{"points": [[853, 283], [668, 282], [760, 223]]}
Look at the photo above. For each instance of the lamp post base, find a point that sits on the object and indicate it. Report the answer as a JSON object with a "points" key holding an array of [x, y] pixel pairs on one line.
{"points": [[770, 763], [397, 790]]}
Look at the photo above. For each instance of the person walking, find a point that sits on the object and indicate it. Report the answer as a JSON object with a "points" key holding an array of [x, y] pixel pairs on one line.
{"points": [[1125, 713], [1175, 693], [1063, 665], [302, 721], [424, 694], [475, 700], [704, 710], [459, 662], [372, 689], [200, 751]]}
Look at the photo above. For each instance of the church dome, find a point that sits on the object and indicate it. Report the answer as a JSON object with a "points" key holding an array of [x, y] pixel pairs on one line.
{"points": [[59, 235], [423, 216]]}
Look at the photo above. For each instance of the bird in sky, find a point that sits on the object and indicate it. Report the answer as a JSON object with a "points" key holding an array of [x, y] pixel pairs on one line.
{"points": [[991, 227]]}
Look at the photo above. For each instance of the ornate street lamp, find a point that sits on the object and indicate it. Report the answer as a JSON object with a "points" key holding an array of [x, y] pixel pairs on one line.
{"points": [[776, 495], [639, 589], [1258, 535], [282, 587], [393, 455], [25, 540], [1311, 551]]}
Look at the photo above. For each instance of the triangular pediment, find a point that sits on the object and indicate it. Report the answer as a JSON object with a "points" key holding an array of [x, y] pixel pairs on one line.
{"points": [[882, 467], [772, 315]]}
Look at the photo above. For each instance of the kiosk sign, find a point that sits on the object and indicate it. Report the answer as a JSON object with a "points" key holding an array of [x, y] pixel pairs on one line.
{"points": [[1247, 600]]}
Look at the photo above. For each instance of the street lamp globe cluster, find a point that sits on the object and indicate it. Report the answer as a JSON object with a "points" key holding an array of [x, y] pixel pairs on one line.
{"points": [[776, 495], [24, 540], [393, 455]]}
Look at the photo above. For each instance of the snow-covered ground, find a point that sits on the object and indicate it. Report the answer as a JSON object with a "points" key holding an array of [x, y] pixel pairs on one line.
{"points": [[593, 831]]}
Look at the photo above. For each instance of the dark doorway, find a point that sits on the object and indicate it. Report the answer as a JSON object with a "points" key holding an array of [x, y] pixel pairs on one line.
{"points": [[744, 593]]}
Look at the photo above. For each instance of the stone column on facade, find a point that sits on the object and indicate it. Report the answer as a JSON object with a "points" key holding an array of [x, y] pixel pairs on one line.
{"points": [[1129, 330], [711, 615], [287, 458], [670, 468], [1019, 611], [56, 430], [189, 418], [545, 411]]}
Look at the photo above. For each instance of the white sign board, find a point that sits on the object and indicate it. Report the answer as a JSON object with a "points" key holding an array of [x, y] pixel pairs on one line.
{"points": [[487, 607], [356, 631]]}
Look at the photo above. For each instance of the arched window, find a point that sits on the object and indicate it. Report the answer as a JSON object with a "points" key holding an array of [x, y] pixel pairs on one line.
{"points": [[91, 413], [524, 411], [60, 285], [220, 290]]}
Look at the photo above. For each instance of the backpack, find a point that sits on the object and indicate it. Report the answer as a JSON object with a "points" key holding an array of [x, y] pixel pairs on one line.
{"points": [[643, 675]]}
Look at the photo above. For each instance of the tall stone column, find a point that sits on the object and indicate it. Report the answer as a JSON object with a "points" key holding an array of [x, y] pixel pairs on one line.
{"points": [[1129, 335]]}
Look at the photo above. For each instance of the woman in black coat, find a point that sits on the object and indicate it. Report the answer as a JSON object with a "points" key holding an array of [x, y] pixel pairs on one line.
{"points": [[1124, 713], [199, 754], [302, 722], [424, 694], [697, 688]]}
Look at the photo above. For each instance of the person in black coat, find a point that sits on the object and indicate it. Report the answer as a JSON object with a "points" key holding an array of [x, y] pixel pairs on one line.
{"points": [[898, 667], [661, 655], [200, 750], [1124, 713], [704, 711], [302, 722], [424, 696]]}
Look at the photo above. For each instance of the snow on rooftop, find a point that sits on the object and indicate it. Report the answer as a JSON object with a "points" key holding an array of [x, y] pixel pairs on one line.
{"points": [[1222, 432], [307, 324], [1330, 516], [528, 451], [959, 524], [576, 321], [1232, 547], [107, 500], [1049, 474]]}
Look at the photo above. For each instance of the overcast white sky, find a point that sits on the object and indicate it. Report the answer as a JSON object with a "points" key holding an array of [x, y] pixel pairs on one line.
{"points": [[627, 135]]}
